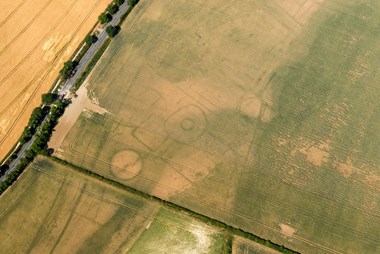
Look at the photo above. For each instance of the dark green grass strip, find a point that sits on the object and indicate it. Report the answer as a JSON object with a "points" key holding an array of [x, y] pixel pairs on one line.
{"points": [[99, 53], [91, 64], [125, 15], [168, 204]]}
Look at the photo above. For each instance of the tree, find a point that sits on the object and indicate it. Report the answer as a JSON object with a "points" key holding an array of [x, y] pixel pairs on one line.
{"points": [[26, 135], [36, 113], [90, 39], [35, 119], [119, 2], [112, 8], [3, 169], [132, 2], [68, 68], [112, 31], [104, 18], [56, 112], [30, 154], [49, 98]]}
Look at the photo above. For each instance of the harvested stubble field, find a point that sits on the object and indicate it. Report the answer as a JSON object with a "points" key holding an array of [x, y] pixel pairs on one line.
{"points": [[54, 209], [37, 36], [262, 114]]}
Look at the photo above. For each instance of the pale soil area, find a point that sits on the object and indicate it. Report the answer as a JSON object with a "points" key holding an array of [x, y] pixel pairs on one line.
{"points": [[243, 246], [171, 232], [287, 230], [78, 105], [36, 38]]}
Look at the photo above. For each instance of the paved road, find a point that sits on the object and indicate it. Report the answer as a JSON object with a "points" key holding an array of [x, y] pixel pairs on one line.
{"points": [[92, 50], [81, 66], [13, 165]]}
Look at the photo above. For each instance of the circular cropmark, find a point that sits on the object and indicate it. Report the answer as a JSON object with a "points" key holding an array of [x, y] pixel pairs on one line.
{"points": [[126, 164], [187, 124]]}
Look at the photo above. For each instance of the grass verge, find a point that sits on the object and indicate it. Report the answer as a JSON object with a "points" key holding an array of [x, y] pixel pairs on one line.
{"points": [[91, 65]]}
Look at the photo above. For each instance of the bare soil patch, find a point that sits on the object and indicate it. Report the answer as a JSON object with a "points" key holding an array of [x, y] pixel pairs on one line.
{"points": [[287, 230], [346, 169], [317, 155], [79, 104]]}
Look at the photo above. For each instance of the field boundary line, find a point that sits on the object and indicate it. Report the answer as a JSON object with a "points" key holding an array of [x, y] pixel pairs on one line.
{"points": [[136, 210], [278, 203], [165, 203], [41, 228], [70, 217], [220, 208]]}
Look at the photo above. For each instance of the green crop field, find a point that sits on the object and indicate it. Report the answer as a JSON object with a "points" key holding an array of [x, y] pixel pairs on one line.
{"points": [[261, 114]]}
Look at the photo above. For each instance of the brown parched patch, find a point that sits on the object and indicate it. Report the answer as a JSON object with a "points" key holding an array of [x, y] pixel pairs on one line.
{"points": [[317, 155], [287, 230], [373, 179], [347, 168]]}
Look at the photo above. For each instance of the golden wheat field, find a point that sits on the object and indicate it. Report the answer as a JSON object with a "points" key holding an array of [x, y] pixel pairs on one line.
{"points": [[36, 37]]}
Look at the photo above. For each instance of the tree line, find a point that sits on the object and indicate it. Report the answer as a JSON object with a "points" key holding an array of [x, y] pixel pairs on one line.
{"points": [[42, 136], [111, 10]]}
